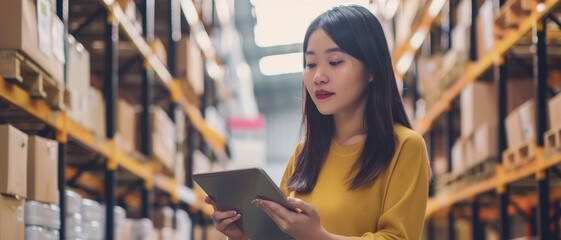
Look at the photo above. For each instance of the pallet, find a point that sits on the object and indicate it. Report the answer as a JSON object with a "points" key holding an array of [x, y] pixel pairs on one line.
{"points": [[18, 69], [512, 13], [552, 140], [516, 157], [482, 170], [443, 181]]}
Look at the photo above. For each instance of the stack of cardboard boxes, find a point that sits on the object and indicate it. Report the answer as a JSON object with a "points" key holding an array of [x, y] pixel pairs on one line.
{"points": [[32, 28], [42, 188], [163, 138], [189, 62], [553, 136], [478, 105], [13, 182], [28, 185]]}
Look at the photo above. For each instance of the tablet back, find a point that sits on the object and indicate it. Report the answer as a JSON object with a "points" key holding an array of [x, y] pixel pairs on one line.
{"points": [[234, 190]]}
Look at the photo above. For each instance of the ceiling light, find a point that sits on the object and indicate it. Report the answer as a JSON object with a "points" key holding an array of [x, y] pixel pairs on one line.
{"points": [[435, 7], [281, 64]]}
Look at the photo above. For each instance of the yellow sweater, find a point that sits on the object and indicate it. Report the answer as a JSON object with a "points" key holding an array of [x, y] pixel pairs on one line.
{"points": [[392, 207]]}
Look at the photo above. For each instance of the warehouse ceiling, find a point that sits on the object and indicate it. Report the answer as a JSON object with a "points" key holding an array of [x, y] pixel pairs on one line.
{"points": [[278, 27], [270, 91]]}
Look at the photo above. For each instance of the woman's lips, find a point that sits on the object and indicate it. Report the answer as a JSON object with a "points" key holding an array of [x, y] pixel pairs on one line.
{"points": [[322, 94]]}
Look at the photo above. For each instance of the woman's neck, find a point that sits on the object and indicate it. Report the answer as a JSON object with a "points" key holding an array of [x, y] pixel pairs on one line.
{"points": [[349, 126]]}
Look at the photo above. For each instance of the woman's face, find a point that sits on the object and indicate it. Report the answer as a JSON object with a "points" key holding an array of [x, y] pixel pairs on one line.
{"points": [[335, 80]]}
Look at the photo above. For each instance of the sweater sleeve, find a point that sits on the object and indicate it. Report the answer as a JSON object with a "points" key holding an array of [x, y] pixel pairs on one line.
{"points": [[404, 204]]}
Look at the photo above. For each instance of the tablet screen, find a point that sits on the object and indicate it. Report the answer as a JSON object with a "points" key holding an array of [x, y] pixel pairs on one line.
{"points": [[234, 190]]}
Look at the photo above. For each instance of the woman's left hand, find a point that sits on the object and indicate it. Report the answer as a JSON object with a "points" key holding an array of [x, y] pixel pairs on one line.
{"points": [[302, 225]]}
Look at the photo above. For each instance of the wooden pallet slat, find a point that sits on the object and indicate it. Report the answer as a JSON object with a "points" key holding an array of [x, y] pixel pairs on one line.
{"points": [[552, 140], [515, 157], [18, 69]]}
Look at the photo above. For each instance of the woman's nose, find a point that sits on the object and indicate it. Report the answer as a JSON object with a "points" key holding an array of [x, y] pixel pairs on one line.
{"points": [[320, 77]]}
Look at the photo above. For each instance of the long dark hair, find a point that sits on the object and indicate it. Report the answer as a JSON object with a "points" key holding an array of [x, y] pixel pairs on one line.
{"points": [[357, 32]]}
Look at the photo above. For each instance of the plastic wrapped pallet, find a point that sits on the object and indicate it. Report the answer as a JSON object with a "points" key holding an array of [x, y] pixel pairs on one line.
{"points": [[74, 226], [142, 229], [37, 214], [73, 203], [92, 211], [35, 233], [53, 222], [93, 230], [183, 231]]}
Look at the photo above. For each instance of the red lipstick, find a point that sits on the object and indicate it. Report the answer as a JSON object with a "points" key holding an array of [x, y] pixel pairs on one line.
{"points": [[322, 94]]}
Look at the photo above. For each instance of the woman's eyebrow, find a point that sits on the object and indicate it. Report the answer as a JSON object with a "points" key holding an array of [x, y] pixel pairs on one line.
{"points": [[330, 50]]}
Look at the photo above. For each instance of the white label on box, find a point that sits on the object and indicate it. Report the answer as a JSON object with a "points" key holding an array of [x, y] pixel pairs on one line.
{"points": [[53, 151], [58, 36], [44, 22], [20, 214], [526, 118]]}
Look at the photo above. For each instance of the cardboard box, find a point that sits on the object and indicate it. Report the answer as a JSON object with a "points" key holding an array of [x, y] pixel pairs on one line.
{"points": [[12, 218], [163, 137], [459, 163], [473, 115], [463, 13], [554, 111], [470, 157], [518, 92], [42, 170], [485, 29], [13, 161], [527, 119], [513, 126], [21, 31], [163, 218], [78, 80], [179, 167], [485, 142], [126, 126], [166, 233], [189, 62], [96, 117], [461, 39]]}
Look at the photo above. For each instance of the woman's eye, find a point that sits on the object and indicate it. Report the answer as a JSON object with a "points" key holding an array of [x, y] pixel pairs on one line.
{"points": [[310, 65], [335, 63]]}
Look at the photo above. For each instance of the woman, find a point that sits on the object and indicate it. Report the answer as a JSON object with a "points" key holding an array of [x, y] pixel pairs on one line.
{"points": [[361, 172]]}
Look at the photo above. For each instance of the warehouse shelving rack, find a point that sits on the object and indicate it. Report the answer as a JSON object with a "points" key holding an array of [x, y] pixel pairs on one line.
{"points": [[67, 131], [499, 182]]}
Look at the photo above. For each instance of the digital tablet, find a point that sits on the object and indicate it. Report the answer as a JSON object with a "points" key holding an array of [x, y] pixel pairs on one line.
{"points": [[235, 189]]}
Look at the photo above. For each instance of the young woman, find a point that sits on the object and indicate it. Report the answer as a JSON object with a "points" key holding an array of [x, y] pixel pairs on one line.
{"points": [[361, 172]]}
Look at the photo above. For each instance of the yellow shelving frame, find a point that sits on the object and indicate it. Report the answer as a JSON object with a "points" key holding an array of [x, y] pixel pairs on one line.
{"points": [[475, 69], [215, 140], [65, 127]]}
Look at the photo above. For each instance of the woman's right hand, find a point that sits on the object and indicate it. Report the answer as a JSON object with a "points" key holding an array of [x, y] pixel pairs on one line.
{"points": [[223, 222]]}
